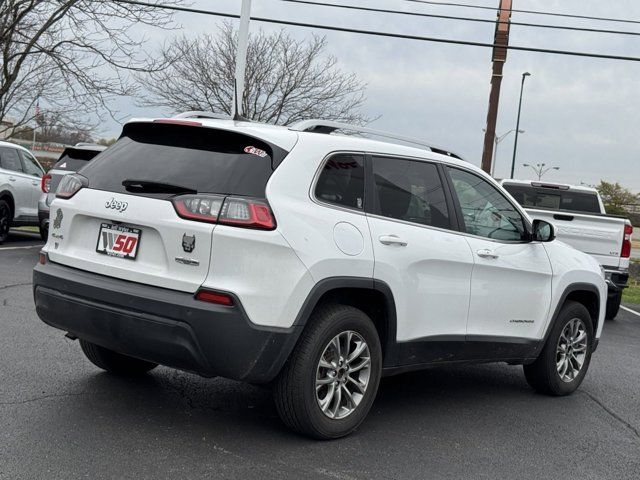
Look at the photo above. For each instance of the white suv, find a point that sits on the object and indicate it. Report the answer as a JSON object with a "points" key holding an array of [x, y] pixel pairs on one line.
{"points": [[315, 262], [20, 179]]}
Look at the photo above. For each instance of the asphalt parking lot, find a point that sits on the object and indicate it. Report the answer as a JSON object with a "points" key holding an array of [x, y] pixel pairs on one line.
{"points": [[62, 418]]}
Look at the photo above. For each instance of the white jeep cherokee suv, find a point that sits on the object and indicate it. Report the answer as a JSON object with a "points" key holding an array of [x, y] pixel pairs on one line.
{"points": [[314, 262]]}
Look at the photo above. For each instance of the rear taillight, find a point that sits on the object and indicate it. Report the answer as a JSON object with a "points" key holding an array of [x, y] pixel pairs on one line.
{"points": [[626, 241], [70, 185], [203, 208], [214, 297], [246, 212], [236, 211], [45, 183]]}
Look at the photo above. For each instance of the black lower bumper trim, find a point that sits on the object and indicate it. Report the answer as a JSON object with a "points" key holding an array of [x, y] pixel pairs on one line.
{"points": [[159, 325]]}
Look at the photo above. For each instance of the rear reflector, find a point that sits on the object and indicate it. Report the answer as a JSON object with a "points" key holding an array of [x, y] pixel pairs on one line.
{"points": [[214, 297], [234, 211], [45, 183], [42, 258], [626, 241]]}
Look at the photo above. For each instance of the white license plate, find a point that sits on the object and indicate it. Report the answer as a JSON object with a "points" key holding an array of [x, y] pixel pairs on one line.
{"points": [[118, 241]]}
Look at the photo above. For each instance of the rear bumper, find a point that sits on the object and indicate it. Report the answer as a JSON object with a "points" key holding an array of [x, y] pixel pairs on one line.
{"points": [[44, 208], [617, 280], [159, 325]]}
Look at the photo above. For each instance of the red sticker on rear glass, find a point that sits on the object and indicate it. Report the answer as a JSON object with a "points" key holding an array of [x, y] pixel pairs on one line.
{"points": [[255, 151]]}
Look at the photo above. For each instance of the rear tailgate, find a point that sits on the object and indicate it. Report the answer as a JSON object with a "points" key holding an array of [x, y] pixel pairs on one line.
{"points": [[75, 241], [128, 199], [598, 235]]}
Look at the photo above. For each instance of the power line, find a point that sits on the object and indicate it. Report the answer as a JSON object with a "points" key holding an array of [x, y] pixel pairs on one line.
{"points": [[384, 34], [467, 19], [534, 12]]}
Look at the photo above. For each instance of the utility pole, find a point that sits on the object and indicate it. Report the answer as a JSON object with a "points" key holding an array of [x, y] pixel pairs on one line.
{"points": [[499, 58], [241, 59]]}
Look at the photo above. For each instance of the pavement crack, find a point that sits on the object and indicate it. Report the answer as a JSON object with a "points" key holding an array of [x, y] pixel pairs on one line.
{"points": [[613, 414], [43, 397], [15, 285]]}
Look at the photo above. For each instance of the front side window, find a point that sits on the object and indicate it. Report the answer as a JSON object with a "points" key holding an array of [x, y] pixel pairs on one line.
{"points": [[9, 159], [341, 181], [485, 211], [30, 165], [409, 190]]}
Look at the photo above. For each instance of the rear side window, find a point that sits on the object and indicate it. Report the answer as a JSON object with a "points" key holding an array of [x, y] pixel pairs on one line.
{"points": [[9, 159], [202, 159], [554, 199], [409, 190], [341, 181]]}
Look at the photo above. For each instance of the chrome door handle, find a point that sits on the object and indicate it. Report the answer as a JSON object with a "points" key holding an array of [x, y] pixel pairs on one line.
{"points": [[12, 179], [486, 253], [392, 240], [35, 184]]}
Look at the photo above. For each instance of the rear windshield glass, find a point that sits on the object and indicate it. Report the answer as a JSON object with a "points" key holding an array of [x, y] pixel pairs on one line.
{"points": [[73, 159], [554, 199], [201, 159]]}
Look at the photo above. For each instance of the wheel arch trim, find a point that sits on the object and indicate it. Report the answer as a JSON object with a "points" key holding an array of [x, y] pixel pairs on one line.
{"points": [[330, 284], [571, 288]]}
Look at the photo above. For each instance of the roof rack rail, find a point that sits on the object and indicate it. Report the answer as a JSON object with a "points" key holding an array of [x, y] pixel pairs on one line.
{"points": [[203, 114], [327, 126]]}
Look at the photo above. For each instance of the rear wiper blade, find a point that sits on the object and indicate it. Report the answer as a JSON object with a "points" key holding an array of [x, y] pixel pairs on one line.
{"points": [[150, 186]]}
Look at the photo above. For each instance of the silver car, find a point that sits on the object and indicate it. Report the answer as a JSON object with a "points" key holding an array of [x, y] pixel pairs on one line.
{"points": [[71, 160], [20, 177]]}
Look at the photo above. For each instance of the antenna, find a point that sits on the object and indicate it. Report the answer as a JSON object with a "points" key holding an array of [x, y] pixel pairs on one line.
{"points": [[241, 60]]}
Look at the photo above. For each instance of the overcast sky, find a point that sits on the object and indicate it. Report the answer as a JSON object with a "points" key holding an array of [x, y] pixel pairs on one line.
{"points": [[580, 114]]}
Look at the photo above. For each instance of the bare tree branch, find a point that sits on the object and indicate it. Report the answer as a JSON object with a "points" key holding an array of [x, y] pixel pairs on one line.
{"points": [[71, 56], [286, 80]]}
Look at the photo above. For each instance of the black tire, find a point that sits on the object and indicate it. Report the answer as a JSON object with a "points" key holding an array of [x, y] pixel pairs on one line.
{"points": [[44, 233], [613, 306], [543, 374], [295, 387], [6, 217], [114, 362]]}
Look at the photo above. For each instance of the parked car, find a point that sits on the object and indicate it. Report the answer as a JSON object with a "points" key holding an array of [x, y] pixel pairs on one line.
{"points": [[315, 263], [580, 219], [71, 160], [20, 175]]}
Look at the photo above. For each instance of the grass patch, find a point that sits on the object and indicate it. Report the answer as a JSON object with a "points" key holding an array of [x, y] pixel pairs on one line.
{"points": [[28, 229], [632, 294]]}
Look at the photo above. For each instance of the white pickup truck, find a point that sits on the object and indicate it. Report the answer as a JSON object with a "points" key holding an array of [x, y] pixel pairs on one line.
{"points": [[581, 221]]}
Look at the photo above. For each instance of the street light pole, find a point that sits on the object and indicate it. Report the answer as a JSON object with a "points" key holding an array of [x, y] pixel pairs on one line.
{"points": [[497, 139], [515, 142]]}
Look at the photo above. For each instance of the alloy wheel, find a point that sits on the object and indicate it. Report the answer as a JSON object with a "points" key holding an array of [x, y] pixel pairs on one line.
{"points": [[343, 374], [571, 351]]}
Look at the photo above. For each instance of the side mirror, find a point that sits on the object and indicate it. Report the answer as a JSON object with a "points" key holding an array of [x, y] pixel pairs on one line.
{"points": [[543, 231]]}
